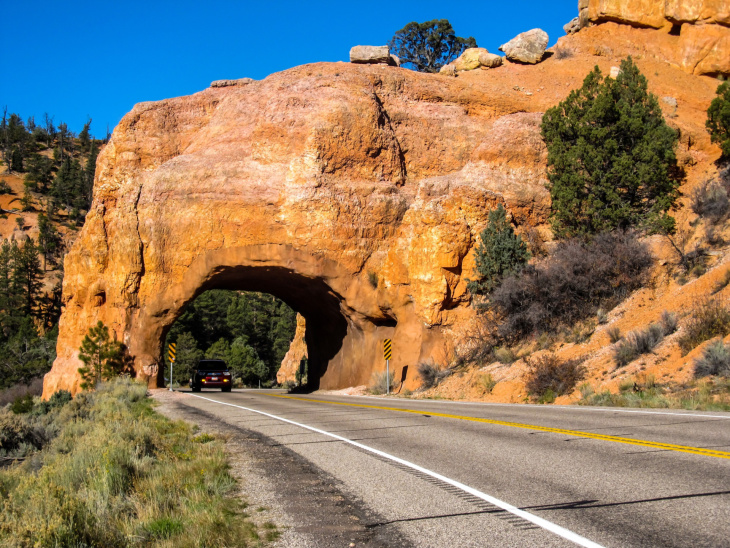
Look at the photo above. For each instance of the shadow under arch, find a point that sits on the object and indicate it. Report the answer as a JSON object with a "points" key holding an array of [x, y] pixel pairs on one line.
{"points": [[311, 297], [342, 341]]}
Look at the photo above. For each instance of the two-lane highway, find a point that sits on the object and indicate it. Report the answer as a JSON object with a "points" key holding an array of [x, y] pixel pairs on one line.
{"points": [[453, 474]]}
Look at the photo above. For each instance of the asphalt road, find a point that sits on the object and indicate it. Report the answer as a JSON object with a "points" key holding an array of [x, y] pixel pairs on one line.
{"points": [[448, 474]]}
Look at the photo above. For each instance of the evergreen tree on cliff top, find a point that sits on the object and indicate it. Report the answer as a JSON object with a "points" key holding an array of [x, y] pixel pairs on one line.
{"points": [[429, 46], [611, 161]]}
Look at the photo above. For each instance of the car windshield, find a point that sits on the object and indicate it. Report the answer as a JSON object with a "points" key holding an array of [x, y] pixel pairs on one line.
{"points": [[212, 365]]}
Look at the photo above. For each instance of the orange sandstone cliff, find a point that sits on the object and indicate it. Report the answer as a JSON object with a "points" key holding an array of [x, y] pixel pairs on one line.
{"points": [[354, 192]]}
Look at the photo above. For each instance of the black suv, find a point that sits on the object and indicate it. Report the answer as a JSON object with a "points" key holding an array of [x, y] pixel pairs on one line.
{"points": [[211, 374]]}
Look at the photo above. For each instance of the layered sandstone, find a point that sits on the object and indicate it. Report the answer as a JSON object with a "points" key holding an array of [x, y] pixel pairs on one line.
{"points": [[699, 30]]}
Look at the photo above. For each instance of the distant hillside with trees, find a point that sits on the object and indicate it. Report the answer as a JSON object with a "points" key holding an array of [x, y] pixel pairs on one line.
{"points": [[46, 182], [250, 331]]}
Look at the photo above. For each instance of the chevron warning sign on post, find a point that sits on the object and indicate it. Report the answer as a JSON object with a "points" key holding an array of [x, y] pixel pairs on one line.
{"points": [[171, 352], [388, 348]]}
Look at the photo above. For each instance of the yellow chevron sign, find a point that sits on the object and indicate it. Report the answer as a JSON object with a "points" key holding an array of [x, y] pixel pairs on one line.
{"points": [[388, 349], [171, 351]]}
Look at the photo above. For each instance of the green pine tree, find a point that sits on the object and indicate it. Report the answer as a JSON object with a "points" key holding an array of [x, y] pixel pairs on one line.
{"points": [[500, 253], [50, 242], [102, 356], [611, 160], [8, 300], [186, 358], [26, 202], [429, 46], [219, 350], [89, 174], [27, 278], [718, 119], [246, 364], [85, 136]]}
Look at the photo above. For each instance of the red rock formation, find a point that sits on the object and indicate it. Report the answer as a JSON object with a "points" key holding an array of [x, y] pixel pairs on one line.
{"points": [[297, 351], [307, 185], [699, 30], [353, 192]]}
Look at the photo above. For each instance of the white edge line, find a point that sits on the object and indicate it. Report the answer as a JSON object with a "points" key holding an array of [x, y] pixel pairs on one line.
{"points": [[540, 522]]}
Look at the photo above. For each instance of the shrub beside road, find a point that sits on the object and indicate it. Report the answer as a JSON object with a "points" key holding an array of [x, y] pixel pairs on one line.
{"points": [[104, 469]]}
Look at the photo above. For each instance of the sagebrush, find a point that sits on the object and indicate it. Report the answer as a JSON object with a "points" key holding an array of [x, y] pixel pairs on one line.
{"points": [[120, 475], [708, 319], [715, 360], [571, 285], [549, 374], [431, 374]]}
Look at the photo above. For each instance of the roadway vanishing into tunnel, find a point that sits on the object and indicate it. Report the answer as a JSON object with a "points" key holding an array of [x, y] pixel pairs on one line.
{"points": [[434, 473]]}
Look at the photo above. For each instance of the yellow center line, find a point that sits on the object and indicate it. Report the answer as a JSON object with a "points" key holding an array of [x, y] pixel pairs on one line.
{"points": [[577, 433]]}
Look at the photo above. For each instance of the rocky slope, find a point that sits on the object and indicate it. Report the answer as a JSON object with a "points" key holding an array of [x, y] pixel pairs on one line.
{"points": [[353, 192]]}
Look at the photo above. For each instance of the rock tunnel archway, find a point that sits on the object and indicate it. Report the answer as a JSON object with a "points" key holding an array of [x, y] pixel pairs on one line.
{"points": [[337, 337], [326, 323], [355, 193]]}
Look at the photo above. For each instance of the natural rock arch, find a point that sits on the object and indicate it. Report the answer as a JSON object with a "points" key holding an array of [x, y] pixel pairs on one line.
{"points": [[362, 187], [337, 335]]}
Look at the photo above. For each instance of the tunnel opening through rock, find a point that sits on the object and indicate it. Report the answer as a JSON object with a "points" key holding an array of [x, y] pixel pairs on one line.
{"points": [[321, 307]]}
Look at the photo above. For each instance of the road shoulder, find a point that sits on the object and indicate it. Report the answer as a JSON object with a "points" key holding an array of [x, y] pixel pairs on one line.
{"points": [[310, 507]]}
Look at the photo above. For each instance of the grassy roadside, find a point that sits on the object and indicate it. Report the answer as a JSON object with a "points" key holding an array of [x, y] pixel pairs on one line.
{"points": [[709, 394], [113, 472]]}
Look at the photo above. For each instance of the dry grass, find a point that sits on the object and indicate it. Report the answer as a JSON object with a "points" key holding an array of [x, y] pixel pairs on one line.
{"points": [[709, 319], [119, 474], [706, 395], [381, 382], [486, 382]]}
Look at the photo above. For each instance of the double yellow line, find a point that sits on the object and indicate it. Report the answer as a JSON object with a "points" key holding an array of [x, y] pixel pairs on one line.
{"points": [[642, 443]]}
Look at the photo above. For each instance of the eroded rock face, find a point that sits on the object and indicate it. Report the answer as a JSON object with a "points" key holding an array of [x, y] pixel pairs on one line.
{"points": [[353, 192], [656, 13], [297, 351], [700, 28]]}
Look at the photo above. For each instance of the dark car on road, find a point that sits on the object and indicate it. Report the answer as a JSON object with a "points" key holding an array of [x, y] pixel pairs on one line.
{"points": [[211, 374]]}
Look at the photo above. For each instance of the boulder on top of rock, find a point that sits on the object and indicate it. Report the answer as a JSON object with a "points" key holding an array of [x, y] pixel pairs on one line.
{"points": [[490, 60], [471, 59], [371, 55], [572, 26], [227, 83], [527, 47], [448, 70]]}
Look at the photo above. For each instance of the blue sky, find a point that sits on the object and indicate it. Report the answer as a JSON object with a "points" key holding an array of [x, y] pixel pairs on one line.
{"points": [[79, 59]]}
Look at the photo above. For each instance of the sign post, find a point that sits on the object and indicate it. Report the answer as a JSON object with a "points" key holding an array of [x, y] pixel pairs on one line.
{"points": [[387, 353], [171, 355]]}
